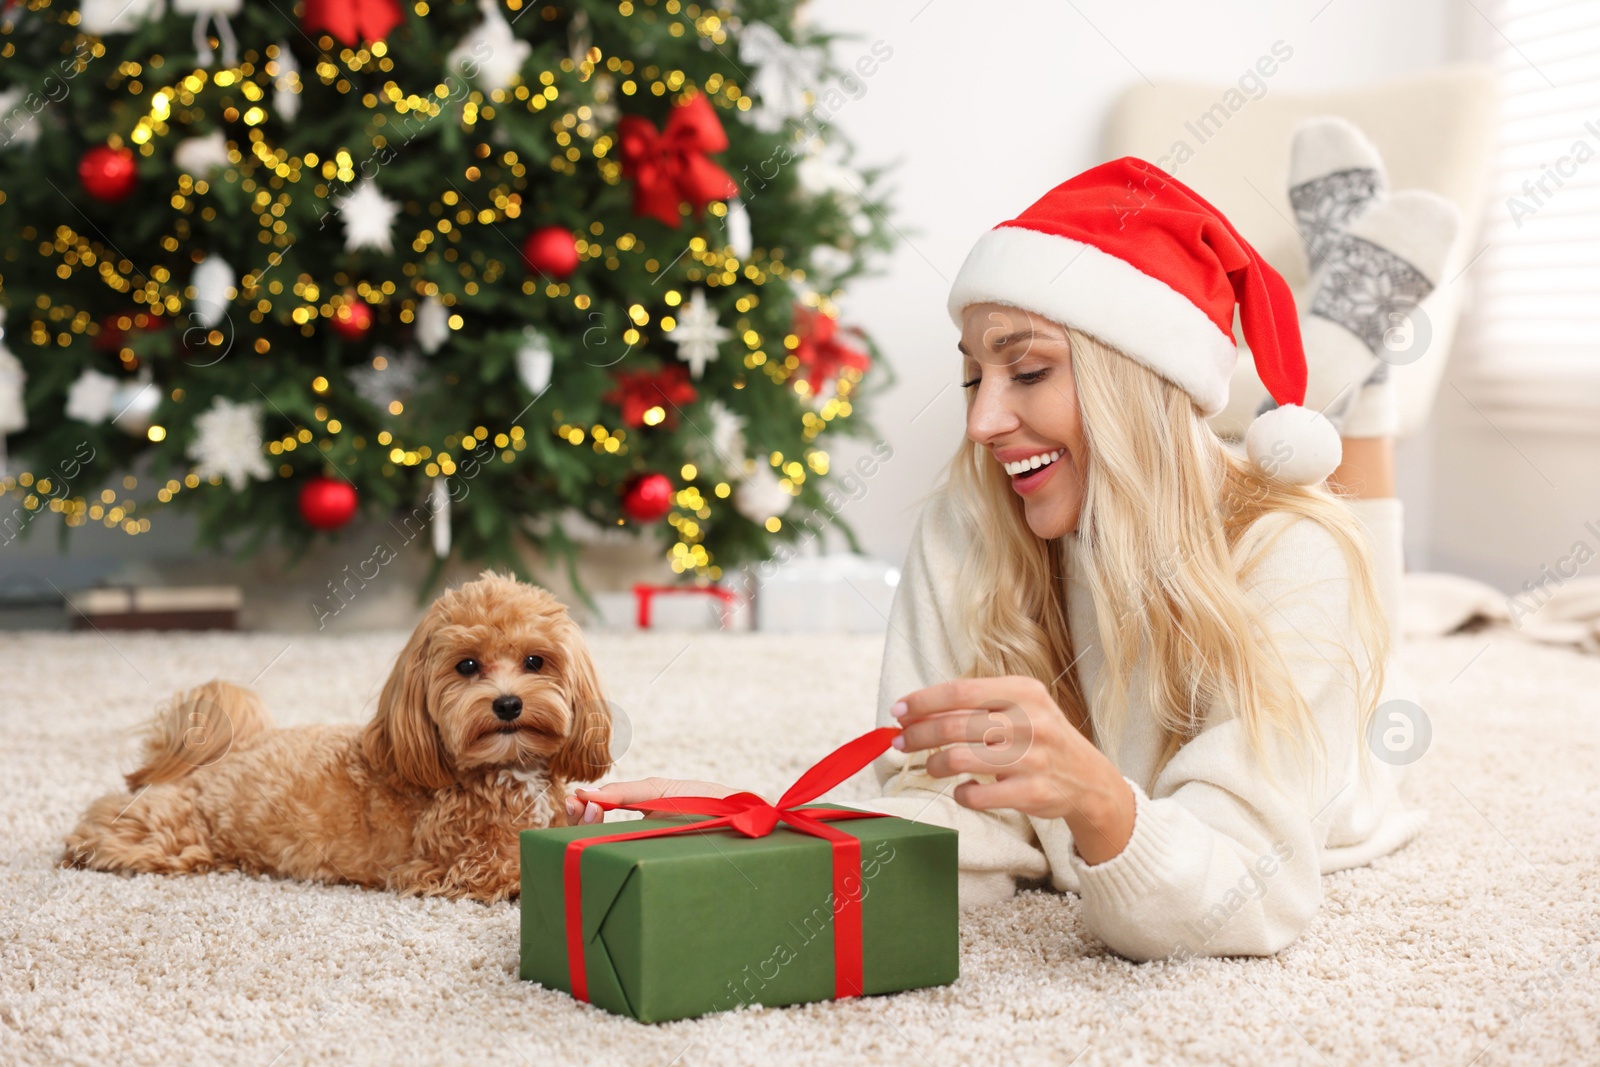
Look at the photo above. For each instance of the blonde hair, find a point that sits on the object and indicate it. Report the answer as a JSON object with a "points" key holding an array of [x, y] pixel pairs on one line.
{"points": [[1166, 504]]}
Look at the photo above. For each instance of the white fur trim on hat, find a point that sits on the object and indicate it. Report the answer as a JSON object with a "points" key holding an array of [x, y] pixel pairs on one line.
{"points": [[1077, 284], [1294, 444]]}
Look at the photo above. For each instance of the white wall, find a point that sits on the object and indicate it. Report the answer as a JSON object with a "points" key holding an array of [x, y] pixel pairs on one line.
{"points": [[986, 107]]}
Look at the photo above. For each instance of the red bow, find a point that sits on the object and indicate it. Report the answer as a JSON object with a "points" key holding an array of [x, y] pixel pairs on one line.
{"points": [[640, 390], [670, 167], [353, 21], [820, 351], [754, 817]]}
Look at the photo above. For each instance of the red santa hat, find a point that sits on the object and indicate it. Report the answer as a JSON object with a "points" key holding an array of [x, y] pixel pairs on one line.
{"points": [[1129, 254]]}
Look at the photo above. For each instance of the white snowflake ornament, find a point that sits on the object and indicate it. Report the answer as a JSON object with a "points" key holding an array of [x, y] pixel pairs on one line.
{"points": [[783, 74], [368, 218], [91, 396], [823, 172], [227, 443], [723, 448], [698, 333], [389, 377], [491, 49]]}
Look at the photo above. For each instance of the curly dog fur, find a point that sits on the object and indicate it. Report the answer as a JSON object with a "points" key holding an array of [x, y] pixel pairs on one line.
{"points": [[491, 708]]}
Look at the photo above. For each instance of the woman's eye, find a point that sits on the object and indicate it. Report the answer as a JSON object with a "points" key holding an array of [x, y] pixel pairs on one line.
{"points": [[1029, 377], [533, 663], [467, 667], [969, 385]]}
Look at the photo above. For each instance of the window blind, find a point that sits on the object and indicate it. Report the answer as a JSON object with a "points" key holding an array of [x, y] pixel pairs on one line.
{"points": [[1533, 330]]}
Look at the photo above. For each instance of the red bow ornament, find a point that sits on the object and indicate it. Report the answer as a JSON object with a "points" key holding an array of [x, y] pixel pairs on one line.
{"points": [[352, 21], [640, 390], [670, 167], [750, 815], [820, 351]]}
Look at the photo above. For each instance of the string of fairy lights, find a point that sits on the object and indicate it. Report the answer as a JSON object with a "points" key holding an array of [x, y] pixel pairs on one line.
{"points": [[270, 175]]}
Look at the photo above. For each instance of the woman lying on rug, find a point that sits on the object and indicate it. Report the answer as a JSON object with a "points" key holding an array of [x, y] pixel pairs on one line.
{"points": [[1126, 658]]}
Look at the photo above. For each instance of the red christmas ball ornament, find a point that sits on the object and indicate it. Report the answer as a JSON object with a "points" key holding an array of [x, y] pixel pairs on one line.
{"points": [[108, 174], [647, 497], [326, 503], [551, 250], [353, 318]]}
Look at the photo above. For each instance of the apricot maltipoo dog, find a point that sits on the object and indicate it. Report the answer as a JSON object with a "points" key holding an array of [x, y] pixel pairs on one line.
{"points": [[493, 706]]}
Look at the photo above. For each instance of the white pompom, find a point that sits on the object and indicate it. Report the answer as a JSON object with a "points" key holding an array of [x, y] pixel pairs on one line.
{"points": [[1294, 444]]}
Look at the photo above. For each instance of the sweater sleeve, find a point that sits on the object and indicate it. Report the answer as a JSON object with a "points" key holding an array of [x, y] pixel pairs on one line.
{"points": [[1223, 859], [996, 847]]}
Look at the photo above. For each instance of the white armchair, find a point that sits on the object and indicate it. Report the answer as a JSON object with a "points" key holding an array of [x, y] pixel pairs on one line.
{"points": [[1435, 132]]}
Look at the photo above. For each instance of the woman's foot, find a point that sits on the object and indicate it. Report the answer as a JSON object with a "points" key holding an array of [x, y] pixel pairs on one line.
{"points": [[1373, 257], [1335, 174]]}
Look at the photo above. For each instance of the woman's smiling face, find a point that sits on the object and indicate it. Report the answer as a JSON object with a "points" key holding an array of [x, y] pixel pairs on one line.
{"points": [[1022, 406]]}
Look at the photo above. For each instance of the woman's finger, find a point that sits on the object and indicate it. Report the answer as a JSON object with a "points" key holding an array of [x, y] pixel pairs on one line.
{"points": [[1024, 793], [1006, 728], [1000, 761], [965, 694], [640, 790], [580, 804]]}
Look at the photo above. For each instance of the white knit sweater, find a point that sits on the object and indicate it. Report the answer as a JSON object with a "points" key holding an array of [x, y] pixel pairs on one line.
{"points": [[1221, 861]]}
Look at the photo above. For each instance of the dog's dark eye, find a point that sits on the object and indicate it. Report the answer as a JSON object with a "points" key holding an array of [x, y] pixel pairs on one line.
{"points": [[533, 663], [467, 666]]}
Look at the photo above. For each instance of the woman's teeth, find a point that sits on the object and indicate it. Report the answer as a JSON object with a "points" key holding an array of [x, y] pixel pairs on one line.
{"points": [[1032, 463]]}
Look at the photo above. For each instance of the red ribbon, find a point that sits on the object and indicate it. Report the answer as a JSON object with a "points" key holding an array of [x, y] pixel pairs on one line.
{"points": [[644, 593], [820, 351], [352, 21], [670, 167], [754, 817]]}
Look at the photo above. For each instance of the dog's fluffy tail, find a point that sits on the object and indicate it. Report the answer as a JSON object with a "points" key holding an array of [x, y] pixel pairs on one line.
{"points": [[197, 729]]}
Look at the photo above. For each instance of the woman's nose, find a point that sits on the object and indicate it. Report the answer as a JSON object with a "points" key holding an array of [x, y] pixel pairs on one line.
{"points": [[989, 416]]}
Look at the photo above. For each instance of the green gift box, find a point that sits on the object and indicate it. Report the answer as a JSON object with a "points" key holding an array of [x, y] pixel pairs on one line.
{"points": [[709, 917]]}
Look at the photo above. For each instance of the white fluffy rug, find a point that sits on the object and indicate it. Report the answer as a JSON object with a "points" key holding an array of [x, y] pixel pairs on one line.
{"points": [[1475, 944]]}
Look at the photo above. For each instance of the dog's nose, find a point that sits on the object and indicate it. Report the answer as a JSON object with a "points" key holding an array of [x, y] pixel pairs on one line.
{"points": [[507, 707]]}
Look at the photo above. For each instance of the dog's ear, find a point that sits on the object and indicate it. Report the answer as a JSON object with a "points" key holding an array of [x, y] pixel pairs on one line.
{"points": [[586, 755], [401, 740]]}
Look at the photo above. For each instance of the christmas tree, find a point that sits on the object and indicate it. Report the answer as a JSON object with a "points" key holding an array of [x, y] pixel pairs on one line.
{"points": [[506, 272]]}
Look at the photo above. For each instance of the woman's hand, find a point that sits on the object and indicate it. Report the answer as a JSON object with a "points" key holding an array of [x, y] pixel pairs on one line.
{"points": [[1012, 729], [582, 809]]}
